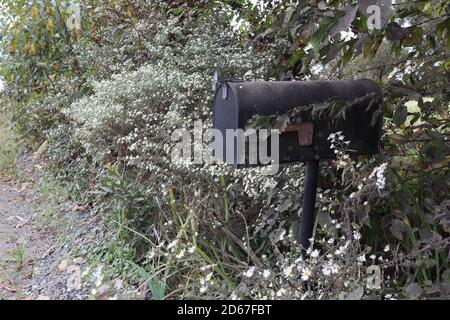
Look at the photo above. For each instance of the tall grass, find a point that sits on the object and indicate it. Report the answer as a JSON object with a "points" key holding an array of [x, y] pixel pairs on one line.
{"points": [[8, 146]]}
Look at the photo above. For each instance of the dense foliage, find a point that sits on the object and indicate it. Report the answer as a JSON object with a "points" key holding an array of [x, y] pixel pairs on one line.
{"points": [[104, 95]]}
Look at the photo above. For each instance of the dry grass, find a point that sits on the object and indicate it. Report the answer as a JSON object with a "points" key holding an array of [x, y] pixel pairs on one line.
{"points": [[9, 147]]}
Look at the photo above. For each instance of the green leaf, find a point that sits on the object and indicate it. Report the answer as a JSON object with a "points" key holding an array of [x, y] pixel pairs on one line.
{"points": [[371, 47], [319, 35], [156, 286], [433, 151], [395, 32], [345, 21], [348, 52], [414, 37], [443, 32], [400, 115]]}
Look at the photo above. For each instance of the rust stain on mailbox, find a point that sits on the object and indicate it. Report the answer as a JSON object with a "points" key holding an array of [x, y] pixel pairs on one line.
{"points": [[305, 132]]}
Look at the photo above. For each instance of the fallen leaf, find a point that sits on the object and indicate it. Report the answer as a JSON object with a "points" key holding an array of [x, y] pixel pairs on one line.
{"points": [[78, 208]]}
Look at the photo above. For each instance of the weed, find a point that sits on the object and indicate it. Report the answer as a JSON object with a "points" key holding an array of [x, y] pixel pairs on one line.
{"points": [[8, 148], [18, 256]]}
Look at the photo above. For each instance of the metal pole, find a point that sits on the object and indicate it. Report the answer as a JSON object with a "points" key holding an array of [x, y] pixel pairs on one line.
{"points": [[309, 202]]}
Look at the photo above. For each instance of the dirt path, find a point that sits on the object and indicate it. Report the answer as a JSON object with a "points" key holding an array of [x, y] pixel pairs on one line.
{"points": [[34, 258]]}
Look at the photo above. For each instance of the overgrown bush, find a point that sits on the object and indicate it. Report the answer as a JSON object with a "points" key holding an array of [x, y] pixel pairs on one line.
{"points": [[138, 70]]}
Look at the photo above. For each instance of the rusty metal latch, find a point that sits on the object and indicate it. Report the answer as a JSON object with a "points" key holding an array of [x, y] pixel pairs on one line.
{"points": [[305, 132]]}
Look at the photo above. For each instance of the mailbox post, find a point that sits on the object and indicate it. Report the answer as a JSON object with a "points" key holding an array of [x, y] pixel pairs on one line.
{"points": [[309, 203], [306, 139]]}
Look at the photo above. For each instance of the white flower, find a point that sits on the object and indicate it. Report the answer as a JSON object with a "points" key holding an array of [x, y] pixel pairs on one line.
{"points": [[180, 254], [249, 272], [233, 296], [340, 251], [326, 271], [334, 268], [306, 274], [315, 253], [172, 244], [288, 271], [386, 249], [209, 276], [203, 289], [266, 273], [330, 268], [361, 258], [192, 249], [281, 292], [356, 235], [373, 257], [379, 174]]}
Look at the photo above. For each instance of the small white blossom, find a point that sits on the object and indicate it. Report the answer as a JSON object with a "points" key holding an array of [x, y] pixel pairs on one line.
{"points": [[330, 268], [306, 274], [315, 253], [249, 272], [379, 174], [288, 271], [172, 244], [192, 249], [180, 254], [281, 292]]}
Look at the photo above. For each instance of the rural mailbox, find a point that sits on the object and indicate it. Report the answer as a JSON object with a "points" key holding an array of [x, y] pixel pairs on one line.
{"points": [[315, 109]]}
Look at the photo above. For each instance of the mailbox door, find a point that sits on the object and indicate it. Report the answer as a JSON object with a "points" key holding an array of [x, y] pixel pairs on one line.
{"points": [[226, 116]]}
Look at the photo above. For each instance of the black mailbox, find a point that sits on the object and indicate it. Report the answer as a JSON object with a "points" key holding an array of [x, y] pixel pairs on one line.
{"points": [[324, 107], [304, 138]]}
